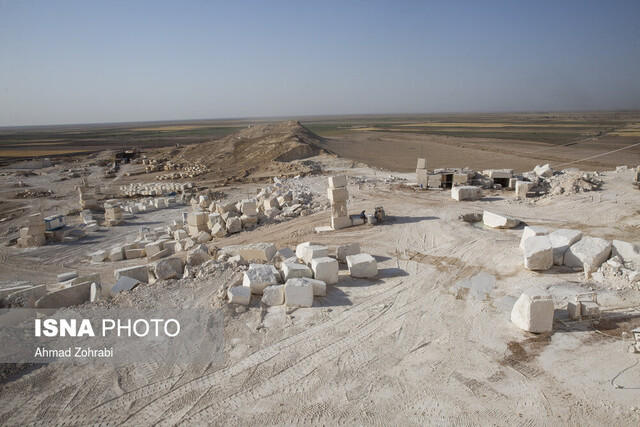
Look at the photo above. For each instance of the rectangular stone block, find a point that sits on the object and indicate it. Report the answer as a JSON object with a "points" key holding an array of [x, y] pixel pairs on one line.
{"points": [[325, 269], [422, 177], [319, 287], [362, 265], [341, 222], [342, 251], [422, 164], [338, 194], [273, 295], [339, 209], [466, 192], [298, 293], [337, 181], [239, 295], [134, 253], [533, 311], [313, 251], [294, 271], [139, 272], [258, 278], [494, 220]]}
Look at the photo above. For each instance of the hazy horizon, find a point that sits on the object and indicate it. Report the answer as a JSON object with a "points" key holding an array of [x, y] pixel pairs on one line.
{"points": [[112, 62]]}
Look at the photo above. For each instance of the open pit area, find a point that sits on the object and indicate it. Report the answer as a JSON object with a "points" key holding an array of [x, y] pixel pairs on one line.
{"points": [[425, 322]]}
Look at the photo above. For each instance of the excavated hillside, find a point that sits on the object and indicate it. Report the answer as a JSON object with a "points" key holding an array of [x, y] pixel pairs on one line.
{"points": [[256, 151]]}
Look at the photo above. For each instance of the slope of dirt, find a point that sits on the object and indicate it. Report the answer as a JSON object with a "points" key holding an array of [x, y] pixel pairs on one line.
{"points": [[255, 149]]}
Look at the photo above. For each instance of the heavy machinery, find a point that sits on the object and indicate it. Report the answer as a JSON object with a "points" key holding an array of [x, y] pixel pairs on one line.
{"points": [[377, 217], [379, 214]]}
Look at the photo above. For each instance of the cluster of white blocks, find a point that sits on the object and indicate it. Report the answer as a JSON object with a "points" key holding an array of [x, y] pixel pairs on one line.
{"points": [[567, 247], [301, 276], [154, 189]]}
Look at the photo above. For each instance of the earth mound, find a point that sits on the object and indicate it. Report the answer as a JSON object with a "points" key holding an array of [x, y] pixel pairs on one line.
{"points": [[255, 149]]}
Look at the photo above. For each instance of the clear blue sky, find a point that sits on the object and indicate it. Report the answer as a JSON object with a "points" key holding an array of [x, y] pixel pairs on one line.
{"points": [[110, 61]]}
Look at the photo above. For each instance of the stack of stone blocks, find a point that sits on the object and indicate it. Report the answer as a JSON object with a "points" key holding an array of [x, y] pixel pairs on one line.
{"points": [[87, 195], [422, 176], [338, 196], [33, 234], [112, 213]]}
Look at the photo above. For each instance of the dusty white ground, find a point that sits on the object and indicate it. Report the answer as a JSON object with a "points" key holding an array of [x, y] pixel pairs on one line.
{"points": [[409, 347]]}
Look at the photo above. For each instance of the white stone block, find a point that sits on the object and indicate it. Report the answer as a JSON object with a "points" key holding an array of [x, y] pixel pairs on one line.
{"points": [[252, 251], [533, 311], [294, 271], [153, 248], [218, 231], [337, 181], [239, 295], [298, 293], [116, 254], [173, 247], [589, 253], [203, 237], [422, 164], [95, 292], [198, 255], [180, 235], [362, 265], [65, 277], [319, 287], [628, 252], [271, 203], [342, 251], [258, 278], [248, 207], [530, 231], [273, 295], [124, 283], [338, 194], [543, 171], [234, 225], [561, 240], [325, 269], [522, 188], [138, 272], [301, 246], [538, 253], [341, 222], [311, 252], [494, 220], [99, 256], [356, 220], [163, 270], [466, 192]]}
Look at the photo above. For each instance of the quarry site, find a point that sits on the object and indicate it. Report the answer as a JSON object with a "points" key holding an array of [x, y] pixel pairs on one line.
{"points": [[404, 270]]}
